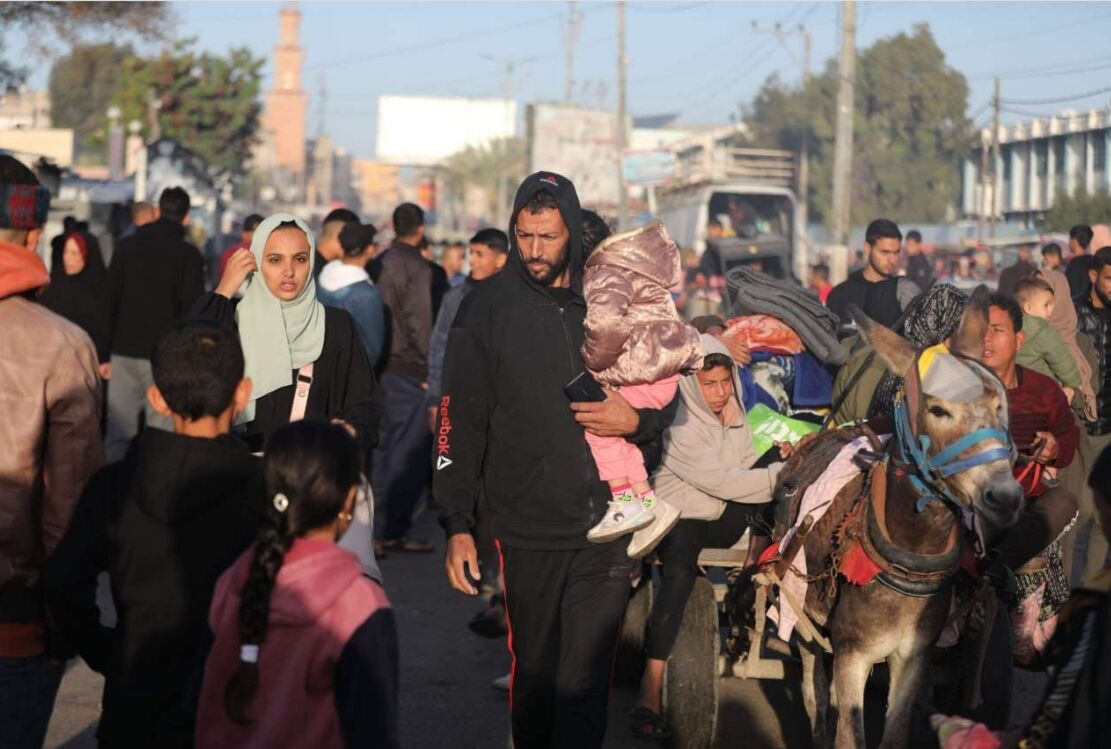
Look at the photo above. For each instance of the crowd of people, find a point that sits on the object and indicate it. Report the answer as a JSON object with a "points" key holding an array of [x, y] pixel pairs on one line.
{"points": [[549, 391]]}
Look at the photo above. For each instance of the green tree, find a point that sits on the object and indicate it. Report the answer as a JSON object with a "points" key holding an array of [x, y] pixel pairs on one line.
{"points": [[1082, 207], [82, 86], [43, 24], [483, 166], [207, 102], [910, 130]]}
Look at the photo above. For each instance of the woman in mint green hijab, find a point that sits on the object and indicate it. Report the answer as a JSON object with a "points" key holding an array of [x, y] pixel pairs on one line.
{"points": [[304, 359]]}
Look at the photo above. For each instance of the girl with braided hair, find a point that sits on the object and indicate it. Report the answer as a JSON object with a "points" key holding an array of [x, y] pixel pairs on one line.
{"points": [[305, 650]]}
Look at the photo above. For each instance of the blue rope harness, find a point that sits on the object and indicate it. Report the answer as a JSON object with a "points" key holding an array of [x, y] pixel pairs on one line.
{"points": [[930, 471]]}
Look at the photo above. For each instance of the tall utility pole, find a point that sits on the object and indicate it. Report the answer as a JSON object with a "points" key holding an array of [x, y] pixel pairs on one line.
{"points": [[622, 64], [510, 64], [322, 106], [983, 189], [804, 147], [994, 157], [570, 39], [843, 149]]}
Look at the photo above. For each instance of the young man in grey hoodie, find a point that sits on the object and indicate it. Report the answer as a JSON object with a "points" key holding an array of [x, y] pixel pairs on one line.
{"points": [[710, 471]]}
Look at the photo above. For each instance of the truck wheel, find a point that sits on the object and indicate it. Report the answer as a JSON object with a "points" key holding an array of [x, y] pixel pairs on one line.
{"points": [[690, 686], [629, 666]]}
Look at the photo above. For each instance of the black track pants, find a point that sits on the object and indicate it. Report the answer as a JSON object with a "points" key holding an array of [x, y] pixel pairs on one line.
{"points": [[565, 610], [679, 566]]}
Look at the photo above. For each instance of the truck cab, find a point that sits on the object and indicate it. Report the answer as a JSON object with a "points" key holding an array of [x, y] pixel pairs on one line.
{"points": [[733, 206]]}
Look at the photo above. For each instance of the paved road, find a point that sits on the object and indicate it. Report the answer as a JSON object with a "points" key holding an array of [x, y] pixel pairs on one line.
{"points": [[446, 672]]}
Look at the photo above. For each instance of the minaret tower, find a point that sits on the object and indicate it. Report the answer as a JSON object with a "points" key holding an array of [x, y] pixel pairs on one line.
{"points": [[286, 108]]}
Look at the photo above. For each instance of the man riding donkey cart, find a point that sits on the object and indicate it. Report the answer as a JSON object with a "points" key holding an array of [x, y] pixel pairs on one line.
{"points": [[872, 543]]}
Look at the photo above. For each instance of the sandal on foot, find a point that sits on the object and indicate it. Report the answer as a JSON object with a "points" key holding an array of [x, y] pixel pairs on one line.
{"points": [[648, 724]]}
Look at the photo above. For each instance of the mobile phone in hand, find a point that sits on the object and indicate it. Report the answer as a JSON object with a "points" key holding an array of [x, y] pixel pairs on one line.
{"points": [[584, 389]]}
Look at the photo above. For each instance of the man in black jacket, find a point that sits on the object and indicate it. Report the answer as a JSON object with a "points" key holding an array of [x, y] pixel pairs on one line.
{"points": [[1093, 312], [164, 524], [1080, 264], [400, 461], [154, 278], [506, 428]]}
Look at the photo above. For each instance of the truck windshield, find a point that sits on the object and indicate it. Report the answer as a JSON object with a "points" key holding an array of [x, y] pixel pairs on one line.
{"points": [[750, 216]]}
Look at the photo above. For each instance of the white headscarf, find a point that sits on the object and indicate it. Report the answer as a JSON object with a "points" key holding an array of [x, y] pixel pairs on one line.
{"points": [[277, 337]]}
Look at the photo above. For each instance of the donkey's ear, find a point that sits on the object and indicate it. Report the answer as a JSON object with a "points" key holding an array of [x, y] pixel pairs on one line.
{"points": [[969, 339], [895, 351]]}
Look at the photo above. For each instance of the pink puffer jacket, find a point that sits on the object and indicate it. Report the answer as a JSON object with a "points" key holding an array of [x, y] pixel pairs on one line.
{"points": [[633, 333]]}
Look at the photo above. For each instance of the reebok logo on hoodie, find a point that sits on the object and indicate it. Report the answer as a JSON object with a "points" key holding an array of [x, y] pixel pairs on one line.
{"points": [[443, 441]]}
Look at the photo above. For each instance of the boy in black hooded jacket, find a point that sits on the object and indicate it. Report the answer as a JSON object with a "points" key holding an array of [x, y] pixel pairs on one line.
{"points": [[506, 428], [164, 523]]}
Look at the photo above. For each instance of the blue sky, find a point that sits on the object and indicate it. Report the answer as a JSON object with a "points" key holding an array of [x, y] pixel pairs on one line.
{"points": [[700, 58]]}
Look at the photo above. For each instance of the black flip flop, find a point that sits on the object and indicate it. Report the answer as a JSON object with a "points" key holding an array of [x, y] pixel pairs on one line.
{"points": [[649, 725]]}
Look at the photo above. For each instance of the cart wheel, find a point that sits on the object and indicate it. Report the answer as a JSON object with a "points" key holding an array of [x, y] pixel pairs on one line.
{"points": [[690, 686], [629, 666]]}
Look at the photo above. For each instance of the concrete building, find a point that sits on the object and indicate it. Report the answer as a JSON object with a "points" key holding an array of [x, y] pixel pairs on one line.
{"points": [[285, 115], [378, 186], [59, 145], [425, 130], [24, 109], [1037, 160], [321, 171]]}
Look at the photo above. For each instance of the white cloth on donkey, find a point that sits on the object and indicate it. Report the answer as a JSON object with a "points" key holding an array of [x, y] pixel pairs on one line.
{"points": [[815, 502]]}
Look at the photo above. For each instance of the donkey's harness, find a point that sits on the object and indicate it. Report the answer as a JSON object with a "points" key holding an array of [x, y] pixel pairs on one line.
{"points": [[862, 540]]}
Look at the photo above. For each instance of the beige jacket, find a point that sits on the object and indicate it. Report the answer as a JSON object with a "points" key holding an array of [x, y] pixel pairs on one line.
{"points": [[706, 463], [49, 433], [633, 333]]}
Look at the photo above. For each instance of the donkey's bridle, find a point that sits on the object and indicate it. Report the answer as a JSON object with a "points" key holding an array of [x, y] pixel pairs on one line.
{"points": [[928, 472]]}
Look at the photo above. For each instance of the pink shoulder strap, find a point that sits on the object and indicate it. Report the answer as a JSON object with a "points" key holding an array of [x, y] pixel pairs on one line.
{"points": [[301, 393]]}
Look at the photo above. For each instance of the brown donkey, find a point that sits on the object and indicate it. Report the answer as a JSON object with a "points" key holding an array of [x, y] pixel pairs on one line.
{"points": [[951, 456]]}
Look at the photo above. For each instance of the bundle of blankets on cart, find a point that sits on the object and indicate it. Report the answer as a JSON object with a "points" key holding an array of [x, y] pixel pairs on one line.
{"points": [[787, 387]]}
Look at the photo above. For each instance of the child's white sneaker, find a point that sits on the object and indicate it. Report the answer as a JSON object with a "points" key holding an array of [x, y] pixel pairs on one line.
{"points": [[646, 539], [626, 514]]}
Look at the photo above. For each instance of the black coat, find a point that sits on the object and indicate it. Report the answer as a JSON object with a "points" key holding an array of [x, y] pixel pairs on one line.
{"points": [[81, 298], [505, 425], [154, 278], [164, 523], [1077, 274], [343, 387]]}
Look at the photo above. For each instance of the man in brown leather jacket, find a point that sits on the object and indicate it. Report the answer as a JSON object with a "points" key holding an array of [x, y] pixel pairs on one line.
{"points": [[49, 446]]}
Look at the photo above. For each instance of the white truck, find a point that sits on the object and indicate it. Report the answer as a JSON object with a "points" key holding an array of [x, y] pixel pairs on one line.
{"points": [[750, 192]]}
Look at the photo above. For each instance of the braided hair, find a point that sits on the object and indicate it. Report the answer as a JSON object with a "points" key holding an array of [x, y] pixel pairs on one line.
{"points": [[310, 469]]}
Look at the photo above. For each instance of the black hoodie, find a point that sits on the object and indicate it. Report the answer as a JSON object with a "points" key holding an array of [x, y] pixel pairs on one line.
{"points": [[505, 426], [164, 523]]}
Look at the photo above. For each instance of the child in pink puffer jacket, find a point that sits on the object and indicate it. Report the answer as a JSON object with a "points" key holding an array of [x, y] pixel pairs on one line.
{"points": [[637, 343]]}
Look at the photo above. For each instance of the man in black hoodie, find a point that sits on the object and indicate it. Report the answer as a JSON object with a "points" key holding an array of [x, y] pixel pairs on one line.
{"points": [[154, 278], [506, 428], [164, 524]]}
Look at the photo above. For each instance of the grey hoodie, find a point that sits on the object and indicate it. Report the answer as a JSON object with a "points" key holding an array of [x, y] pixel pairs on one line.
{"points": [[706, 463]]}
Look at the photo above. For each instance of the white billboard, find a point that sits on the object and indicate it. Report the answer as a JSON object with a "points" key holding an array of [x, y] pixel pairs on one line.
{"points": [[425, 130], [580, 144]]}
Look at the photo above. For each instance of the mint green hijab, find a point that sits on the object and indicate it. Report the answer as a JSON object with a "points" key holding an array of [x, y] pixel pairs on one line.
{"points": [[277, 337]]}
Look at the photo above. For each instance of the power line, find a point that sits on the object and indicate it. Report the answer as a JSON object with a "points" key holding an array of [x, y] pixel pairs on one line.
{"points": [[716, 87], [1057, 100], [1050, 70], [1050, 115], [443, 42], [981, 42], [656, 10]]}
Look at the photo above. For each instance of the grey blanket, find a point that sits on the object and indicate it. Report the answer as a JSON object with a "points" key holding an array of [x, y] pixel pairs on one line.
{"points": [[754, 293]]}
